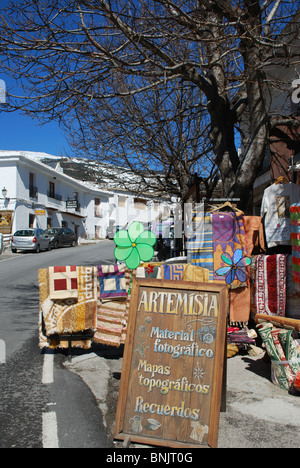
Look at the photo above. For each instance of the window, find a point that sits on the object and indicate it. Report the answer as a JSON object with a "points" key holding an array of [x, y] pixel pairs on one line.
{"points": [[52, 189], [31, 220], [140, 204], [32, 189], [97, 208]]}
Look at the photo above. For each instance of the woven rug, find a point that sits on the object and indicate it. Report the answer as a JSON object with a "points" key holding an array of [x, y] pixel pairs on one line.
{"points": [[200, 250], [270, 284], [112, 320], [295, 240], [112, 281], [68, 316], [63, 282]]}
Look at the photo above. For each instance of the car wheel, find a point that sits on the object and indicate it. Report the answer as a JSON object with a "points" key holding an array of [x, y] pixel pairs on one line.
{"points": [[56, 245], [73, 244], [38, 249], [14, 250]]}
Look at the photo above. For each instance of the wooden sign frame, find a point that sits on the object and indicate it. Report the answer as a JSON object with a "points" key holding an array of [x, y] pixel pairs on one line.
{"points": [[174, 358]]}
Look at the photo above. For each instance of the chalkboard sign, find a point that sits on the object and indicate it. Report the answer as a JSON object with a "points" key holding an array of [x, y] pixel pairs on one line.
{"points": [[171, 385]]}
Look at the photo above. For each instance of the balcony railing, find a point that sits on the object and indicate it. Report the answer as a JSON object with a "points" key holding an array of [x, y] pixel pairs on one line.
{"points": [[55, 196], [33, 191]]}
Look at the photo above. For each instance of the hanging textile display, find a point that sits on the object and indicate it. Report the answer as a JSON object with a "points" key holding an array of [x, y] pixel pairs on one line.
{"points": [[277, 200], [295, 240], [200, 250], [255, 238], [270, 283], [230, 250]]}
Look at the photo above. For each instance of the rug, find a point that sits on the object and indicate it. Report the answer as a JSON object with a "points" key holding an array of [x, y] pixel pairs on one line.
{"points": [[111, 323], [270, 283], [68, 316], [173, 272], [195, 274], [112, 281], [239, 306], [63, 282], [295, 241], [278, 373], [200, 245], [287, 323], [283, 352]]}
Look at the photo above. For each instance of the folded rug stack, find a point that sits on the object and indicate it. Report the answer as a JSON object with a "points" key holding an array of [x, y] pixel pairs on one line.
{"points": [[283, 352], [68, 305]]}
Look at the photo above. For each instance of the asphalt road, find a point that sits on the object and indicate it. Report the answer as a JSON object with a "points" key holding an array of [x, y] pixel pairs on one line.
{"points": [[33, 414]]}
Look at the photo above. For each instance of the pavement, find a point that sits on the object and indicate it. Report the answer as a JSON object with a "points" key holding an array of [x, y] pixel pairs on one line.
{"points": [[258, 413]]}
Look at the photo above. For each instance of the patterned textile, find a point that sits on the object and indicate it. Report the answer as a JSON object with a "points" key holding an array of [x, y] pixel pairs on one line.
{"points": [[194, 273], [295, 240], [228, 237], [239, 306], [178, 271], [173, 272], [63, 282], [68, 316], [271, 284], [111, 323], [278, 375], [112, 281], [149, 270], [200, 244], [288, 323], [283, 352]]}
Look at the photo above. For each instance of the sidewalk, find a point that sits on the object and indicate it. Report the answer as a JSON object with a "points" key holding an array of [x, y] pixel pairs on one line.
{"points": [[258, 415]]}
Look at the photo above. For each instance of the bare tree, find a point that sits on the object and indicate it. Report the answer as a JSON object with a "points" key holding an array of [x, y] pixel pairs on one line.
{"points": [[106, 56], [160, 135]]}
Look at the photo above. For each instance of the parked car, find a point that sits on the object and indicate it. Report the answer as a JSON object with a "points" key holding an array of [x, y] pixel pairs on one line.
{"points": [[111, 231], [61, 237], [30, 239]]}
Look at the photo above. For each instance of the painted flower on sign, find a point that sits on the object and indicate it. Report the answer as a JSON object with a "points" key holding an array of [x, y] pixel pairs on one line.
{"points": [[134, 245]]}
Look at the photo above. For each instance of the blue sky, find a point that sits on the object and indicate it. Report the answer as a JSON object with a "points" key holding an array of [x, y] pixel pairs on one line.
{"points": [[22, 133]]}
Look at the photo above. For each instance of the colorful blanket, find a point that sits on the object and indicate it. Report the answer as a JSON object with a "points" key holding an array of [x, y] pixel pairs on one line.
{"points": [[175, 272], [270, 284], [200, 250], [112, 320], [63, 282], [68, 316], [112, 281], [283, 352], [229, 244], [295, 240]]}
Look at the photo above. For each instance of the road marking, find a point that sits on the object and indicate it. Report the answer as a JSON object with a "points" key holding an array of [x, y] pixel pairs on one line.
{"points": [[50, 439], [47, 377]]}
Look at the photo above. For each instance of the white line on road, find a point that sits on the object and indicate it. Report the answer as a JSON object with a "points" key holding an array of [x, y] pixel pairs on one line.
{"points": [[50, 439], [47, 377]]}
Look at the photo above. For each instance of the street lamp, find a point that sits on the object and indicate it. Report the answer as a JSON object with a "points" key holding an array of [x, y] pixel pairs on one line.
{"points": [[4, 192]]}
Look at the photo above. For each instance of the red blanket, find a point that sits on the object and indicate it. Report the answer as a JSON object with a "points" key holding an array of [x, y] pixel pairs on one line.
{"points": [[271, 284]]}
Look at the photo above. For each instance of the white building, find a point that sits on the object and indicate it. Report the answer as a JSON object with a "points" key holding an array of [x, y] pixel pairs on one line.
{"points": [[34, 194]]}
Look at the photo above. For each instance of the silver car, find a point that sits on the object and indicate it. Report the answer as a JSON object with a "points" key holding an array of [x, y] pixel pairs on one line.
{"points": [[30, 239]]}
